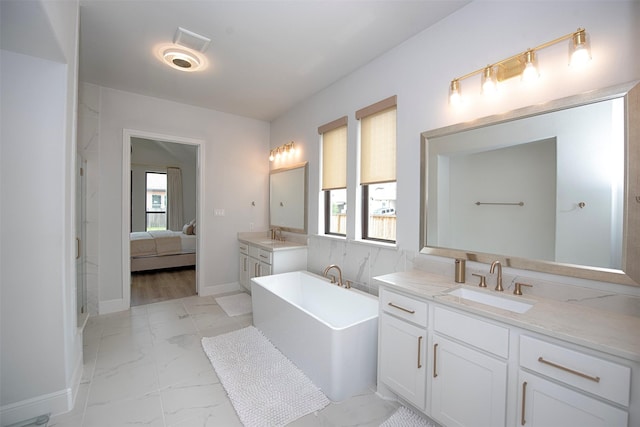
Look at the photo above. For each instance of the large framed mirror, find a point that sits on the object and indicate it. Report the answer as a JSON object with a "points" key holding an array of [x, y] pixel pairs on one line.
{"points": [[288, 198], [552, 188]]}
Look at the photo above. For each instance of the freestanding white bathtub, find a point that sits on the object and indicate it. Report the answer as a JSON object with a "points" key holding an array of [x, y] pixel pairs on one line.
{"points": [[329, 332]]}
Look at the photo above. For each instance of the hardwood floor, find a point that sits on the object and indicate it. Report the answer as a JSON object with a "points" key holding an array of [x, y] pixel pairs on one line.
{"points": [[153, 286]]}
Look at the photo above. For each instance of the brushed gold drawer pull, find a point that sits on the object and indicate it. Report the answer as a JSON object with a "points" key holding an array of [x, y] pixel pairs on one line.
{"points": [[571, 371], [435, 358], [402, 308], [419, 346], [264, 256], [524, 398]]}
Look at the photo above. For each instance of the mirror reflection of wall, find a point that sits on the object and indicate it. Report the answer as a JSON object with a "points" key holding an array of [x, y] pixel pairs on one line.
{"points": [[566, 166], [288, 198], [503, 226]]}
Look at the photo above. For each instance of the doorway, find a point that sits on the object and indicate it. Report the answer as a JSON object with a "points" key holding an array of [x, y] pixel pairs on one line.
{"points": [[172, 274]]}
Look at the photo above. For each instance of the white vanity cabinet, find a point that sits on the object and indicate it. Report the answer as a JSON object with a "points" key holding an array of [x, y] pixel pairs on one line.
{"points": [[572, 394], [403, 344], [256, 261], [469, 378], [485, 370]]}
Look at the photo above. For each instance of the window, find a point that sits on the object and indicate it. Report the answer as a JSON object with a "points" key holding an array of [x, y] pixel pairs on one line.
{"points": [[156, 197], [334, 175], [378, 169]]}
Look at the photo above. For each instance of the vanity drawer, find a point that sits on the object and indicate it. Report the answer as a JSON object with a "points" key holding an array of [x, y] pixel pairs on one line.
{"points": [[260, 254], [404, 307], [589, 373], [244, 248], [473, 331]]}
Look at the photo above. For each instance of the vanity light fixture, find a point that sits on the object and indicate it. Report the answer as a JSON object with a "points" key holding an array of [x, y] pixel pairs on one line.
{"points": [[282, 151], [524, 64]]}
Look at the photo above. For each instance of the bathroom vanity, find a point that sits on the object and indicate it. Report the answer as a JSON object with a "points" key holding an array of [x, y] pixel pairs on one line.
{"points": [[468, 363], [259, 255]]}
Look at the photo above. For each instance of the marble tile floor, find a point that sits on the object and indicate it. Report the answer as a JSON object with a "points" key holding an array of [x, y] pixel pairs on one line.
{"points": [[146, 367]]}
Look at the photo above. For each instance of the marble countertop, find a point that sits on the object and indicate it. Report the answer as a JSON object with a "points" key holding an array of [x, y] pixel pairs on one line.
{"points": [[264, 241], [605, 331]]}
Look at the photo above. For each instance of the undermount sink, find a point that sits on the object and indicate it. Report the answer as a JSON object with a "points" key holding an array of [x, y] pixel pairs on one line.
{"points": [[271, 242], [492, 300]]}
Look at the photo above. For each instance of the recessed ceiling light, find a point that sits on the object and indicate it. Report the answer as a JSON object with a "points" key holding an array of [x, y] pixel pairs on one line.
{"points": [[182, 59]]}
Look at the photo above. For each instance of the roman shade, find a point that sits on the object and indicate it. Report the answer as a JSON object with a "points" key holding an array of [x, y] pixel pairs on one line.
{"points": [[334, 154], [378, 142]]}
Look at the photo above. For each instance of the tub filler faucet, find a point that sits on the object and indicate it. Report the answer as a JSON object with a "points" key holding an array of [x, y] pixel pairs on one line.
{"points": [[347, 284]]}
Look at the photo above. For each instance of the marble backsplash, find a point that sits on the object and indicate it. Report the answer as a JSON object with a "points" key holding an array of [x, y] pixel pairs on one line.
{"points": [[361, 262]]}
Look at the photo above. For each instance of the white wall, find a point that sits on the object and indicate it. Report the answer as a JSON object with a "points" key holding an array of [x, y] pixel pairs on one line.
{"points": [[41, 347], [419, 72], [236, 174]]}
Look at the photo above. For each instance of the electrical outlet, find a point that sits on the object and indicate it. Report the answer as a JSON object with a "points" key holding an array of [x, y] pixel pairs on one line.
{"points": [[218, 212]]}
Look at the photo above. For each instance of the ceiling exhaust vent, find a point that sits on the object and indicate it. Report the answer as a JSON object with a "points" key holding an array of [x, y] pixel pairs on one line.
{"points": [[191, 40]]}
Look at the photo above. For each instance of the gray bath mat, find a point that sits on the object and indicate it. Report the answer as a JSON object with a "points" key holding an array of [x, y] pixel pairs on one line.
{"points": [[405, 417], [235, 305], [265, 388]]}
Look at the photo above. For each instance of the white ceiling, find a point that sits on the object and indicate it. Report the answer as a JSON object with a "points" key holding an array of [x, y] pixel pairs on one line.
{"points": [[264, 56]]}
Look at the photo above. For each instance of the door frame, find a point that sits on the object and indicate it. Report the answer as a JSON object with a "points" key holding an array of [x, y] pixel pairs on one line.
{"points": [[127, 134]]}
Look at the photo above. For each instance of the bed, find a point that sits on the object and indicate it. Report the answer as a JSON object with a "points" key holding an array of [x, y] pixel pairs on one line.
{"points": [[154, 250]]}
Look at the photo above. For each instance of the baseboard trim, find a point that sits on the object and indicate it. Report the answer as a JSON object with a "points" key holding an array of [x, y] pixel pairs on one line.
{"points": [[52, 403], [219, 289]]}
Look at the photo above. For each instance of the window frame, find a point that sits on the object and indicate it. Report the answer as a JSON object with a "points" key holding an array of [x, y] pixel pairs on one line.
{"points": [[327, 214], [365, 216], [146, 206]]}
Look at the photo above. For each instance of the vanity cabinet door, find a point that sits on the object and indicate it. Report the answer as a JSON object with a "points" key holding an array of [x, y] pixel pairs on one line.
{"points": [[547, 404], [468, 387], [403, 361], [264, 269], [244, 267]]}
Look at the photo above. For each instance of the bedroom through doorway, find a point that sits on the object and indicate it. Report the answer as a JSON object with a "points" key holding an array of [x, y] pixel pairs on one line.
{"points": [[162, 218]]}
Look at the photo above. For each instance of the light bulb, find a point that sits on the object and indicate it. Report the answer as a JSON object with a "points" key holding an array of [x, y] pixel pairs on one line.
{"points": [[489, 81], [271, 158], [455, 96], [580, 57], [530, 72], [579, 49]]}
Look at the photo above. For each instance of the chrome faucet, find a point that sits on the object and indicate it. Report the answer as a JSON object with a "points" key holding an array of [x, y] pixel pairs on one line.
{"points": [[333, 278], [499, 279]]}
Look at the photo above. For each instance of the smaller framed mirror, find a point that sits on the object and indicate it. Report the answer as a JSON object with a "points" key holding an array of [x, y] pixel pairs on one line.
{"points": [[288, 198]]}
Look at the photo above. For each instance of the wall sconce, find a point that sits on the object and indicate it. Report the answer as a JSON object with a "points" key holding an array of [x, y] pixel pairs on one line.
{"points": [[524, 64], [282, 151]]}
